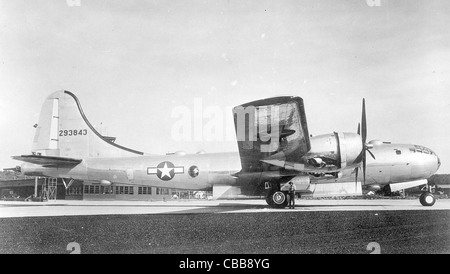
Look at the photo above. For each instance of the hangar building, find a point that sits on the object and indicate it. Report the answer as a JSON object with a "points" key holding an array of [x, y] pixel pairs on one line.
{"points": [[15, 187]]}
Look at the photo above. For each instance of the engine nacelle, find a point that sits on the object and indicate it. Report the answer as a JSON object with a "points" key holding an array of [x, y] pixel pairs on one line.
{"points": [[339, 149], [350, 147]]}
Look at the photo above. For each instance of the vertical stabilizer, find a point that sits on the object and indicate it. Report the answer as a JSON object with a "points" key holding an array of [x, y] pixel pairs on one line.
{"points": [[64, 131]]}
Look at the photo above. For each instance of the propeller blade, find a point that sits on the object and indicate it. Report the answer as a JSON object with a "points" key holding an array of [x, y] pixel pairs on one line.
{"points": [[364, 167], [364, 122], [371, 154], [364, 139]]}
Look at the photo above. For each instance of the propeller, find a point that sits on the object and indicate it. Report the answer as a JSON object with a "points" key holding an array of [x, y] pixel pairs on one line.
{"points": [[362, 130]]}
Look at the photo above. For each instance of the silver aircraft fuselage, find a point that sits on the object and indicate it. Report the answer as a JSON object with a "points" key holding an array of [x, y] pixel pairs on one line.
{"points": [[394, 163]]}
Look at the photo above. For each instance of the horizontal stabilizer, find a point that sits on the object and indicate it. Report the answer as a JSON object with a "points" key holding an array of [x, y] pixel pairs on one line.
{"points": [[48, 161]]}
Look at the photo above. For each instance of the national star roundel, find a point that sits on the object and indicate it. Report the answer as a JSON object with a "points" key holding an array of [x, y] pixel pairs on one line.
{"points": [[165, 170]]}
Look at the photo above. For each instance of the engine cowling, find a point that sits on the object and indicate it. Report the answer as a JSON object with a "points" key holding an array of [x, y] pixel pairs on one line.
{"points": [[350, 147], [339, 149]]}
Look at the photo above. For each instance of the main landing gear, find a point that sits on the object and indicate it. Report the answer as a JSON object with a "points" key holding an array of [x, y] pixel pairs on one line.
{"points": [[427, 199], [277, 199]]}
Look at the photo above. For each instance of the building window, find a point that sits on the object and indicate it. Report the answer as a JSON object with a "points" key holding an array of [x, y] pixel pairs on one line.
{"points": [[117, 190], [142, 190], [86, 189], [91, 189], [108, 190], [96, 189], [74, 190], [131, 190], [162, 191]]}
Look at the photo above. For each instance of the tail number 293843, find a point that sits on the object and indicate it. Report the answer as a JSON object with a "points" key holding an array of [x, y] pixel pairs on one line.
{"points": [[73, 132]]}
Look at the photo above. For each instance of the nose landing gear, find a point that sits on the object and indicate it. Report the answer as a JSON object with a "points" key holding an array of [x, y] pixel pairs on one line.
{"points": [[427, 199]]}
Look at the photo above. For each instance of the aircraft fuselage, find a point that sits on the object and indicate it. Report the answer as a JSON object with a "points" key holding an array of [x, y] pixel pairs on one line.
{"points": [[394, 163]]}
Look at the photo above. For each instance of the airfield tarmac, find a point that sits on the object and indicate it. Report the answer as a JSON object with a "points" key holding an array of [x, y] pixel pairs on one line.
{"points": [[225, 227]]}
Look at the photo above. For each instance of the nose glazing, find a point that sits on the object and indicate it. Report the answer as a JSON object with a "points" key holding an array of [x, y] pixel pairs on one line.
{"points": [[436, 161], [429, 161]]}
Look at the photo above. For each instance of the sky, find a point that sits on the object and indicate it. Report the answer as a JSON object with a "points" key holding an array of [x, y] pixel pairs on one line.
{"points": [[134, 64]]}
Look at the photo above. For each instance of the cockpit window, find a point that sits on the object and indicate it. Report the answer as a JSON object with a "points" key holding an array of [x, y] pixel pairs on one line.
{"points": [[422, 149]]}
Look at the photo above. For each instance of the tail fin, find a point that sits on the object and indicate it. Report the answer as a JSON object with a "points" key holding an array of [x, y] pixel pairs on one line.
{"points": [[64, 131]]}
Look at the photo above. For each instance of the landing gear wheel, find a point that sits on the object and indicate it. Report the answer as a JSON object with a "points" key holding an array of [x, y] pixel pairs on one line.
{"points": [[427, 199], [277, 199]]}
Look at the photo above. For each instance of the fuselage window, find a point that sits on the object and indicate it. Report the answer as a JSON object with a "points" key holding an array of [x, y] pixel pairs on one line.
{"points": [[398, 152]]}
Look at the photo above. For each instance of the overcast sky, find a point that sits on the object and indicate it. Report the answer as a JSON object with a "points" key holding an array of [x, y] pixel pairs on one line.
{"points": [[131, 63]]}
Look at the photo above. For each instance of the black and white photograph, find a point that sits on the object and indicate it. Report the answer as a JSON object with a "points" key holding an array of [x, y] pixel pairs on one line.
{"points": [[241, 129]]}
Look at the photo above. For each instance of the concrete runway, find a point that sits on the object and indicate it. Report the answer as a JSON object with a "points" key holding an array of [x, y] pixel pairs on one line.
{"points": [[10, 209], [227, 227]]}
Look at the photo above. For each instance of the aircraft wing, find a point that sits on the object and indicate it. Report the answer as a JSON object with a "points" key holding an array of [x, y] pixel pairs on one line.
{"points": [[48, 161], [271, 129]]}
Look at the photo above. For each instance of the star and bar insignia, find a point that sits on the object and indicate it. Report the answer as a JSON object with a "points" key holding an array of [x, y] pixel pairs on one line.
{"points": [[165, 170]]}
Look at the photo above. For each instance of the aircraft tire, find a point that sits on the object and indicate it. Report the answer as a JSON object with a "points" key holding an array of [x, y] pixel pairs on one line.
{"points": [[269, 200], [277, 199], [427, 199]]}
